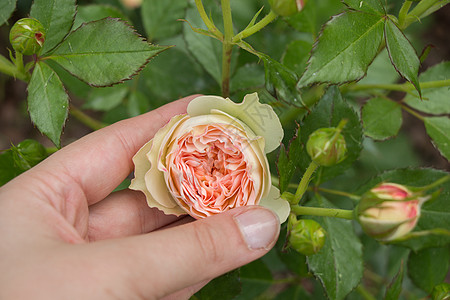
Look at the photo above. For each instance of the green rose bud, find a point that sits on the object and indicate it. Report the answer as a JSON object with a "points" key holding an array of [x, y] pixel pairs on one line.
{"points": [[326, 146], [287, 8], [389, 211], [306, 236], [27, 36]]}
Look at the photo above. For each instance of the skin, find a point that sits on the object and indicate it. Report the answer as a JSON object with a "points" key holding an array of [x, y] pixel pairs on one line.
{"points": [[65, 235]]}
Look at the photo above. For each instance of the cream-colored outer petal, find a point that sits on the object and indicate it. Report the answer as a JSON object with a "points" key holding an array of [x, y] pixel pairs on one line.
{"points": [[261, 118], [149, 179], [274, 202]]}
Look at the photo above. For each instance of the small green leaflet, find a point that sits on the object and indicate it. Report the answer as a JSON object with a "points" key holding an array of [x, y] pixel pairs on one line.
{"points": [[225, 287], [346, 47], [402, 54], [435, 100], [368, 6], [104, 52], [382, 118], [281, 81], [48, 102], [6, 9], [438, 128], [256, 278], [20, 158], [206, 50], [296, 56], [104, 99], [94, 12], [428, 267], [160, 17], [395, 287], [57, 18]]}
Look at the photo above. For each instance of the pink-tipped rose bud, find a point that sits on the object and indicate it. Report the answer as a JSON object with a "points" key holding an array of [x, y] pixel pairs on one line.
{"points": [[27, 36], [306, 236], [389, 211], [287, 8]]}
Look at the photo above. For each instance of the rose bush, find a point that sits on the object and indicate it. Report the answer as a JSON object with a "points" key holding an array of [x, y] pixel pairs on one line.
{"points": [[212, 159]]}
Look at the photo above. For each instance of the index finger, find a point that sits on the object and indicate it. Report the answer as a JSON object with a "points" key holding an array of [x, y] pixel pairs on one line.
{"points": [[100, 161]]}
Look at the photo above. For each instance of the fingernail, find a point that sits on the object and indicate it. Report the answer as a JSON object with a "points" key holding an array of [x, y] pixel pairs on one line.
{"points": [[259, 227]]}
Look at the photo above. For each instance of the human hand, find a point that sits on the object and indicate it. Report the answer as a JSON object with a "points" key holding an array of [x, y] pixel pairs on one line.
{"points": [[66, 236]]}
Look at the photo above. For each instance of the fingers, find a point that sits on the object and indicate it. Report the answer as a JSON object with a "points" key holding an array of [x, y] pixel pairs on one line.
{"points": [[100, 161], [125, 213], [164, 262]]}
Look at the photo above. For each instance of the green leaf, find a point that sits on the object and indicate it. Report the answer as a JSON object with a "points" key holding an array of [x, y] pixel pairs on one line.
{"points": [[382, 118], [306, 20], [438, 128], [137, 104], [332, 263], [27, 154], [57, 18], [94, 12], [8, 169], [395, 287], [104, 52], [330, 110], [435, 100], [72, 84], [286, 169], [225, 287], [160, 17], [368, 6], [438, 5], [294, 293], [313, 15], [248, 76], [20, 158], [296, 56], [402, 54], [381, 71], [206, 50], [256, 278], [434, 214], [104, 99], [428, 267], [281, 81], [171, 75], [290, 160], [48, 102], [346, 47], [7, 7]]}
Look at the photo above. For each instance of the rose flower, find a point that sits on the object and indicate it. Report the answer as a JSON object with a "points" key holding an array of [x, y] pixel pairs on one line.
{"points": [[212, 159]]}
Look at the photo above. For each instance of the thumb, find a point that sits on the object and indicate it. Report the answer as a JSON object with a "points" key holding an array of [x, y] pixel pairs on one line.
{"points": [[166, 261]]}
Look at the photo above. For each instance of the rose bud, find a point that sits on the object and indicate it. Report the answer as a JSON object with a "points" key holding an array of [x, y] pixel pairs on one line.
{"points": [[326, 146], [306, 236], [389, 211], [212, 159], [27, 36], [131, 3], [287, 8]]}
